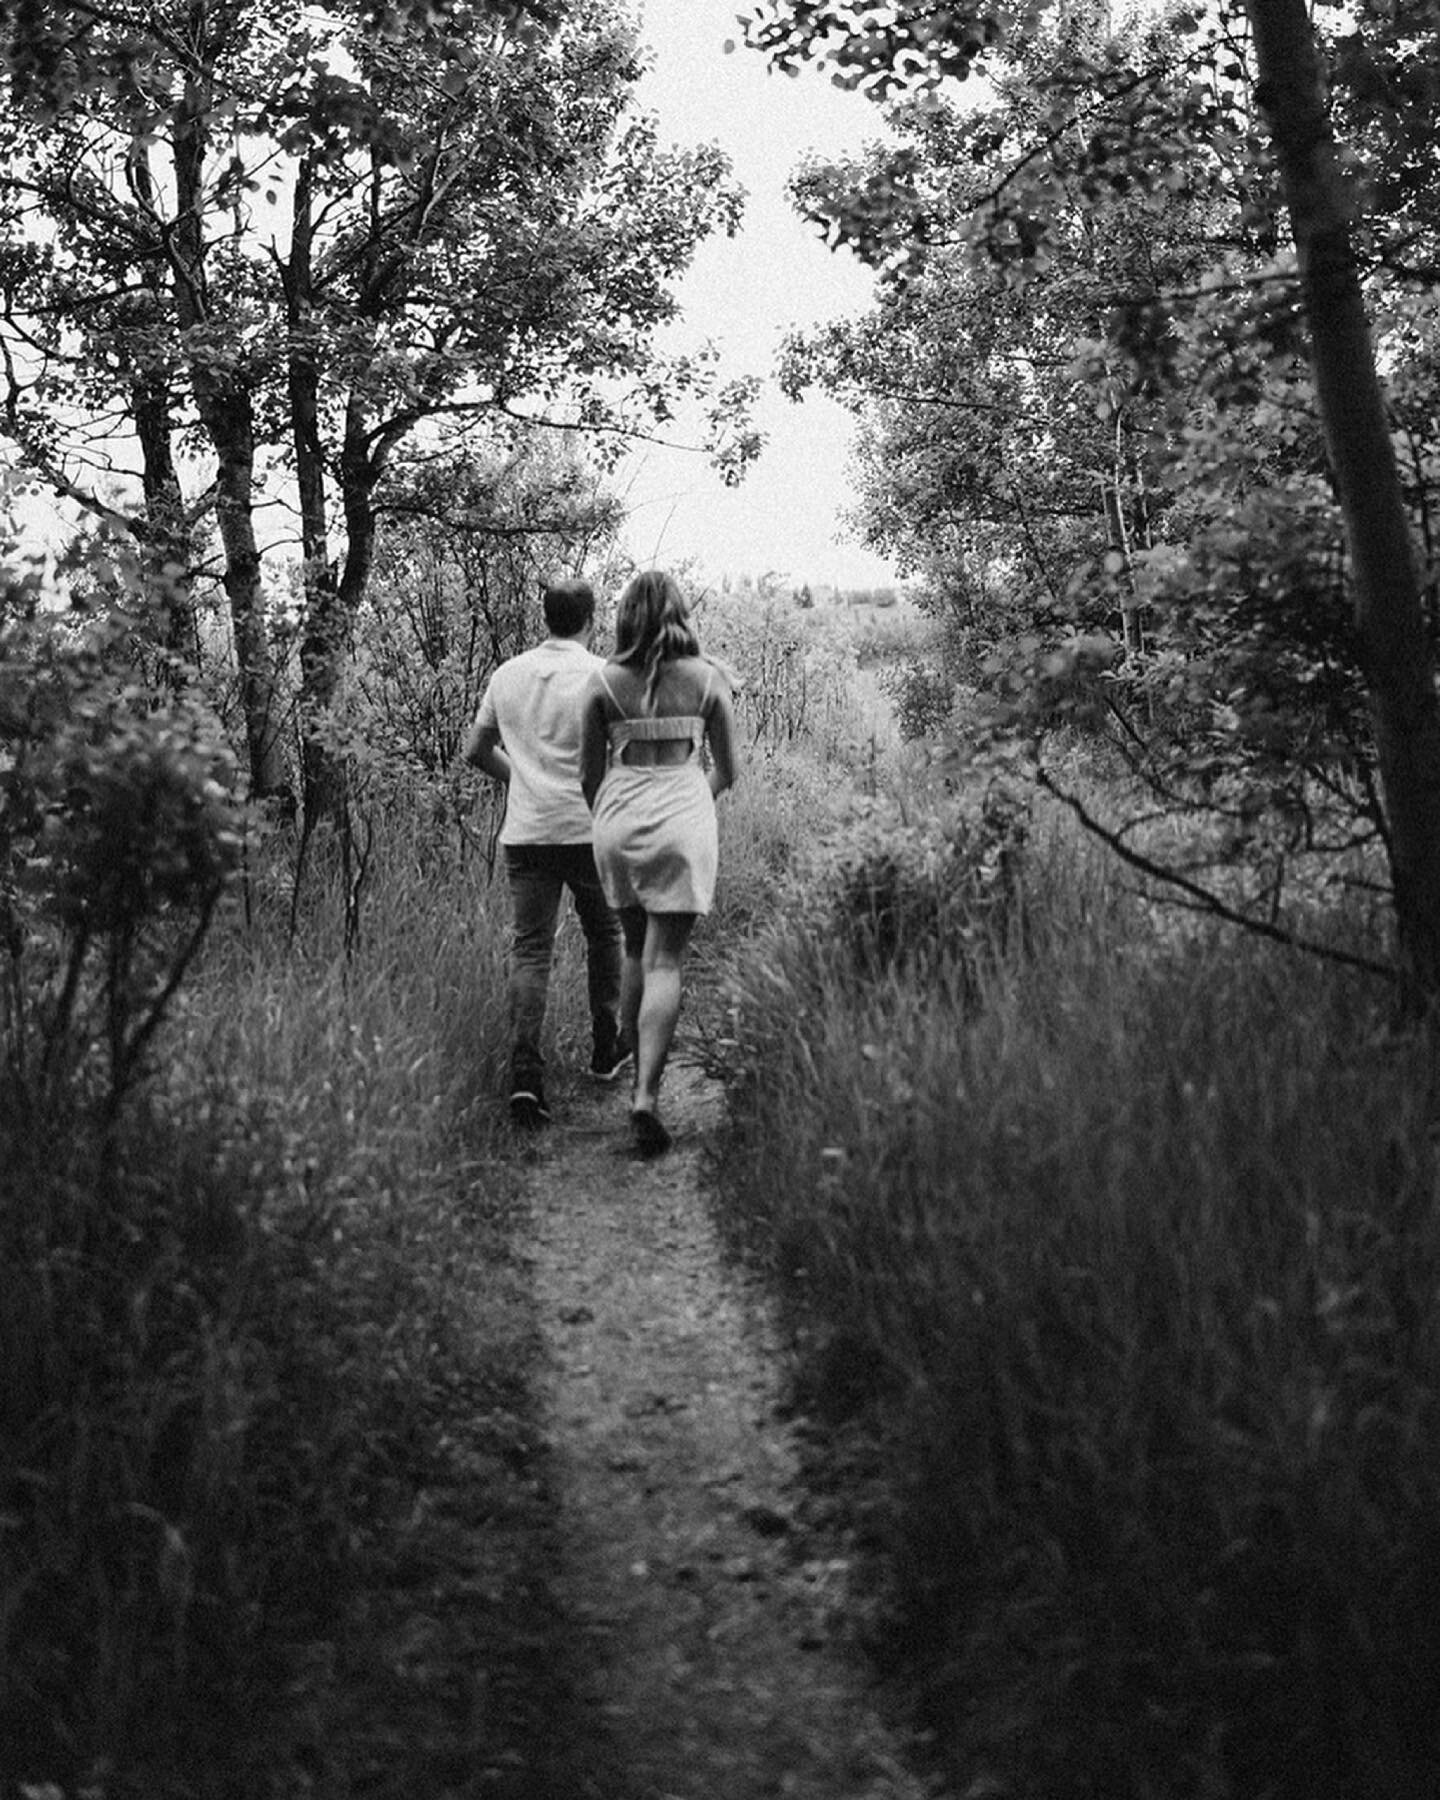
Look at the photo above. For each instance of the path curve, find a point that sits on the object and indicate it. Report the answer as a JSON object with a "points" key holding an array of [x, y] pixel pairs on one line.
{"points": [[710, 1636]]}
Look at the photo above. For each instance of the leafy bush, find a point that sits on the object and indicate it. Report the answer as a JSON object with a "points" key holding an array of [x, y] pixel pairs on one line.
{"points": [[892, 640], [118, 833], [940, 894], [922, 695]]}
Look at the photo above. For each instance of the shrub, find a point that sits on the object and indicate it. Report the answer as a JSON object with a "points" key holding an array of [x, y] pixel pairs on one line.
{"points": [[944, 894], [923, 697], [118, 833]]}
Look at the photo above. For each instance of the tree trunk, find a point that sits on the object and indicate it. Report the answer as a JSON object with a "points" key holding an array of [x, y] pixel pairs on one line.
{"points": [[168, 548], [224, 402], [228, 424], [359, 472], [1131, 628], [1395, 649], [324, 638], [167, 537]]}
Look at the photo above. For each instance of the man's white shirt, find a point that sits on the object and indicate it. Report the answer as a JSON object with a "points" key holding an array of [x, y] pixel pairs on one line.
{"points": [[534, 701]]}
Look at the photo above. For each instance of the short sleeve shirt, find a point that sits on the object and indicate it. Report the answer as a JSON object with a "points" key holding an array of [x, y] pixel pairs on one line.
{"points": [[535, 703]]}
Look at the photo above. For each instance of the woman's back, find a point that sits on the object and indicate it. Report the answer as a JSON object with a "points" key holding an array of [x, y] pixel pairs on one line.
{"points": [[684, 688]]}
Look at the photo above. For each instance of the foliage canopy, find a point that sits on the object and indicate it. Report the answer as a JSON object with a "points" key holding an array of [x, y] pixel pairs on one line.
{"points": [[1122, 395]]}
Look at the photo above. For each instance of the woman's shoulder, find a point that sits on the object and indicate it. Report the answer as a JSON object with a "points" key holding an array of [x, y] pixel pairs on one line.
{"points": [[607, 678], [701, 667], [698, 679]]}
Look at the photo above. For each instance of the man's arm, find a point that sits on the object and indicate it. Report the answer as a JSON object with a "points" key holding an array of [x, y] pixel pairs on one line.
{"points": [[593, 748], [483, 748]]}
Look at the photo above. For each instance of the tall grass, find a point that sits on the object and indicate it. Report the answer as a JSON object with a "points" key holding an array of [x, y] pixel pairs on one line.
{"points": [[782, 797], [229, 1327], [1110, 1250]]}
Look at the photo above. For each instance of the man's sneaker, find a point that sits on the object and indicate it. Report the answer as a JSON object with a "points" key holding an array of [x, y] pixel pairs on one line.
{"points": [[527, 1105], [605, 1065]]}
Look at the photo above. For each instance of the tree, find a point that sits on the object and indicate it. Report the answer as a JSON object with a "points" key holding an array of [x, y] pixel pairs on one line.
{"points": [[978, 443], [1243, 101], [363, 233], [1396, 652], [456, 585], [126, 314], [516, 253]]}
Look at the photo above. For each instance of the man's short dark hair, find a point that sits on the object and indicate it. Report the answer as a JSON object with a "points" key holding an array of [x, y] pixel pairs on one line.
{"points": [[569, 606]]}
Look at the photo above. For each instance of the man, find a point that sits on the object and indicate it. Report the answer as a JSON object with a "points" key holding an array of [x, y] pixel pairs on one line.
{"points": [[527, 735]]}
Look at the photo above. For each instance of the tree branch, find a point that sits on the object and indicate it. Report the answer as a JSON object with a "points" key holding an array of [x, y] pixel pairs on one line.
{"points": [[1203, 899]]}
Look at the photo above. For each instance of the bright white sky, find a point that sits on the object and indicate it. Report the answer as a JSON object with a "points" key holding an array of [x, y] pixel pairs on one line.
{"points": [[746, 293]]}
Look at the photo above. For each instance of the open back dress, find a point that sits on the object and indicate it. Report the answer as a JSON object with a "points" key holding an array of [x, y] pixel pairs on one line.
{"points": [[655, 836]]}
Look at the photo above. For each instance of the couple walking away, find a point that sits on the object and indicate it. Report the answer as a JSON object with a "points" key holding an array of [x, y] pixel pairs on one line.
{"points": [[607, 795]]}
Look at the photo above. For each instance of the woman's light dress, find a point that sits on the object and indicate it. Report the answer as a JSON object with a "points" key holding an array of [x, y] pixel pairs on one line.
{"points": [[655, 835]]}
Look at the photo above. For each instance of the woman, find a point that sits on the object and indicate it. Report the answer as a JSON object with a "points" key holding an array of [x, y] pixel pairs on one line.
{"points": [[646, 715]]}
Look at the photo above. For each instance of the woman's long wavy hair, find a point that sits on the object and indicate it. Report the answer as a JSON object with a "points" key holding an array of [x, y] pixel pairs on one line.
{"points": [[652, 625]]}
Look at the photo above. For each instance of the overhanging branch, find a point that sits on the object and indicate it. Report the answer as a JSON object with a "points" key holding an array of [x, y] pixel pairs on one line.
{"points": [[1203, 899]]}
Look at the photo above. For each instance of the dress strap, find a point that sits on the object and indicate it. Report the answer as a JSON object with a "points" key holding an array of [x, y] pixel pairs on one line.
{"points": [[605, 683]]}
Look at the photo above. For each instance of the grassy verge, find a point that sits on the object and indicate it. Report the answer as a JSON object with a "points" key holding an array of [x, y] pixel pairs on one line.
{"points": [[1109, 1250], [274, 1509]]}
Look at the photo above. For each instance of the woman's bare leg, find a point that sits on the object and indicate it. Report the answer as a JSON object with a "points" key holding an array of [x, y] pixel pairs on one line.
{"points": [[666, 938], [633, 924]]}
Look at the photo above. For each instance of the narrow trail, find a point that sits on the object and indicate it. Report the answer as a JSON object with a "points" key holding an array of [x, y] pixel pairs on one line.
{"points": [[710, 1655]]}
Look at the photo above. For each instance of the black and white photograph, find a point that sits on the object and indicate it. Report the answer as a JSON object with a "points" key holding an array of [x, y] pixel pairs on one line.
{"points": [[719, 900]]}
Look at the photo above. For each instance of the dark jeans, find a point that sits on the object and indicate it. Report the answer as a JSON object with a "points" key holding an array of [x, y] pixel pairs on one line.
{"points": [[538, 873]]}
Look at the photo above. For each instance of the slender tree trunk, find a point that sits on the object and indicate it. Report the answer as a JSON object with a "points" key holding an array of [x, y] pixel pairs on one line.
{"points": [[331, 606], [167, 538], [225, 405], [230, 429], [1394, 646], [324, 637], [1131, 629], [331, 609], [167, 543], [359, 473]]}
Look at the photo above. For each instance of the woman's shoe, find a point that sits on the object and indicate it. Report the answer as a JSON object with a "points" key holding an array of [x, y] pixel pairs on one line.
{"points": [[648, 1137]]}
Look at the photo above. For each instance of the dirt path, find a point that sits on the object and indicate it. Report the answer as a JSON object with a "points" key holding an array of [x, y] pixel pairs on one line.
{"points": [[710, 1656]]}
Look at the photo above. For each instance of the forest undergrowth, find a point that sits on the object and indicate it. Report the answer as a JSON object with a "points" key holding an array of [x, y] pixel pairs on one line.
{"points": [[1103, 1239]]}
